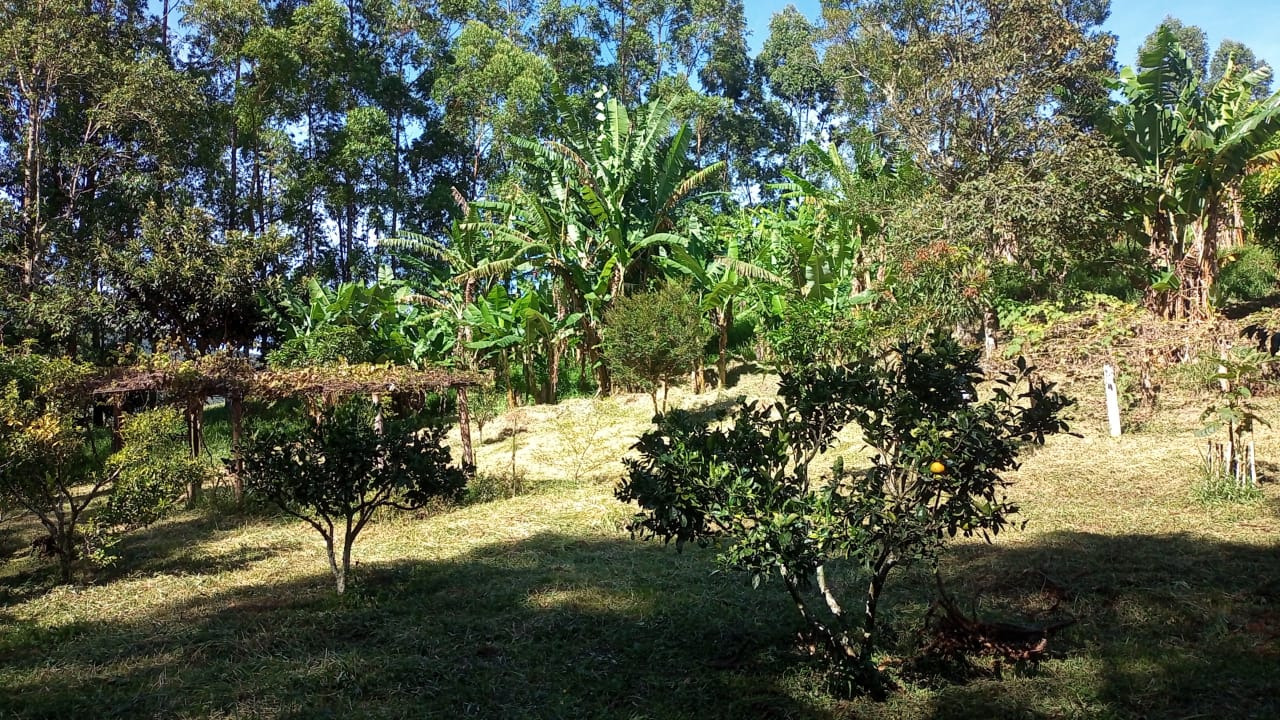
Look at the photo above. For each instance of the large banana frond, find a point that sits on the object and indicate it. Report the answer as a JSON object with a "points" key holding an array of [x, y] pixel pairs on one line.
{"points": [[414, 242], [749, 270], [693, 182], [494, 268]]}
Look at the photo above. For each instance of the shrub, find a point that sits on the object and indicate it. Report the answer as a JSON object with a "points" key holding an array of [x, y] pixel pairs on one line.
{"points": [[46, 466], [1250, 276], [814, 333], [654, 338], [336, 470], [326, 345], [153, 469], [937, 458]]}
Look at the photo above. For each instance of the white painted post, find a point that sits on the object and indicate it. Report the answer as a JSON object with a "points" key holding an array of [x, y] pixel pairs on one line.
{"points": [[1113, 399]]}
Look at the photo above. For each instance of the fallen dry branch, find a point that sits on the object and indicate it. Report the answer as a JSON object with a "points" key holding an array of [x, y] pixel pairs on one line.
{"points": [[958, 636]]}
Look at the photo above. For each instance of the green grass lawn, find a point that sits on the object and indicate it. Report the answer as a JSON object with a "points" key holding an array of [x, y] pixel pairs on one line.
{"points": [[540, 605]]}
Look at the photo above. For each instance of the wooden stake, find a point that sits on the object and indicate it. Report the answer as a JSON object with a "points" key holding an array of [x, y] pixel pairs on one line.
{"points": [[1113, 399]]}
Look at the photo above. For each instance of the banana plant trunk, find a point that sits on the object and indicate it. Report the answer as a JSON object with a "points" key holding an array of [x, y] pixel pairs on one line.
{"points": [[1191, 251]]}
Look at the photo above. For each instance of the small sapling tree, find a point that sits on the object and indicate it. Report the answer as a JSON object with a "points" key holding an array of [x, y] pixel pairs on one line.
{"points": [[654, 338], [937, 454], [49, 467], [336, 469], [1235, 413]]}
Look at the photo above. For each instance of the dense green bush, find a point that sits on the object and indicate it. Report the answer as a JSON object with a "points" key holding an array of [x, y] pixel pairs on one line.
{"points": [[153, 469], [325, 345], [1251, 276], [654, 338], [937, 457], [336, 470], [811, 333]]}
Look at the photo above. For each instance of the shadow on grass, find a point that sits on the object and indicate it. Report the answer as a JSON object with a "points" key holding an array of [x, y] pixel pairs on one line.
{"points": [[739, 371], [561, 627], [1169, 626], [175, 548], [714, 410], [549, 627]]}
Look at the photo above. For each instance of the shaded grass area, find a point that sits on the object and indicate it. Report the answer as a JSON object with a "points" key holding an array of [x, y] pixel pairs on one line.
{"points": [[540, 606]]}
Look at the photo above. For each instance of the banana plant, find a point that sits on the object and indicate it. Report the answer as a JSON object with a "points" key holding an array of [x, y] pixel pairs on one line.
{"points": [[1191, 146], [834, 219], [377, 310], [725, 279], [598, 210]]}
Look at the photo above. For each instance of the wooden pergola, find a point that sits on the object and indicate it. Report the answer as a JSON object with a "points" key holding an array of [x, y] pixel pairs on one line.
{"points": [[190, 385]]}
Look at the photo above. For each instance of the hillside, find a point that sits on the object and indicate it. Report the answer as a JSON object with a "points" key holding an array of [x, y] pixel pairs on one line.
{"points": [[540, 605]]}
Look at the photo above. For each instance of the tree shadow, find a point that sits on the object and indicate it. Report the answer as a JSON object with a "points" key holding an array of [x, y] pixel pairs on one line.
{"points": [[553, 626], [175, 547], [560, 626], [1169, 625], [712, 411], [739, 371]]}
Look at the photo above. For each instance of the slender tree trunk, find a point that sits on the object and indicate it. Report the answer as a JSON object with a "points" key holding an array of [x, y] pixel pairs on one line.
{"points": [[504, 367], [591, 338], [117, 436], [236, 409], [464, 432], [339, 571], [233, 196], [874, 588], [722, 360], [32, 221]]}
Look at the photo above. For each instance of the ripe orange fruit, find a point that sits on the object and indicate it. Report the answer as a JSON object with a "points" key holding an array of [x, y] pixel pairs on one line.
{"points": [[937, 468]]}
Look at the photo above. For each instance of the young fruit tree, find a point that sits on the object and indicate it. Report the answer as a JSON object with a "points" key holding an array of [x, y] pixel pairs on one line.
{"points": [[936, 456], [654, 338], [335, 471], [49, 466]]}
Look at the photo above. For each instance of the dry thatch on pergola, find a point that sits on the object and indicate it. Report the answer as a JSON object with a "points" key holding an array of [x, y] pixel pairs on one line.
{"points": [[184, 381], [191, 383], [231, 377], [347, 380]]}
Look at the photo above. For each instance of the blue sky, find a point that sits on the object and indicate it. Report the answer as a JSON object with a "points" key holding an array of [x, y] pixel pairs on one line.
{"points": [[1255, 23]]}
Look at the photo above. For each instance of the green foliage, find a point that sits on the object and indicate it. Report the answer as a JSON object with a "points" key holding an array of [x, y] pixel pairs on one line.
{"points": [[811, 333], [47, 467], [652, 339], [185, 282], [1191, 146], [599, 209], [336, 472], [355, 321], [1214, 485], [1234, 410], [326, 345], [1250, 275], [1191, 38], [938, 453], [153, 469]]}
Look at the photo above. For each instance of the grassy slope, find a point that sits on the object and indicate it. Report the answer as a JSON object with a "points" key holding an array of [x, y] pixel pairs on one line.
{"points": [[540, 606]]}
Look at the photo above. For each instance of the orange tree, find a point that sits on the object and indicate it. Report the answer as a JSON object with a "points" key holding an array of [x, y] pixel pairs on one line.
{"points": [[747, 485]]}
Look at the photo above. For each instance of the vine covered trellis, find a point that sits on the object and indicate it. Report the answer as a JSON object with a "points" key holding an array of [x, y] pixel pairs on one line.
{"points": [[191, 384]]}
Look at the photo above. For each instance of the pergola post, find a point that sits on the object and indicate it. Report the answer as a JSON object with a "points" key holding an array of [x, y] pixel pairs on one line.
{"points": [[235, 406], [117, 421], [195, 436]]}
